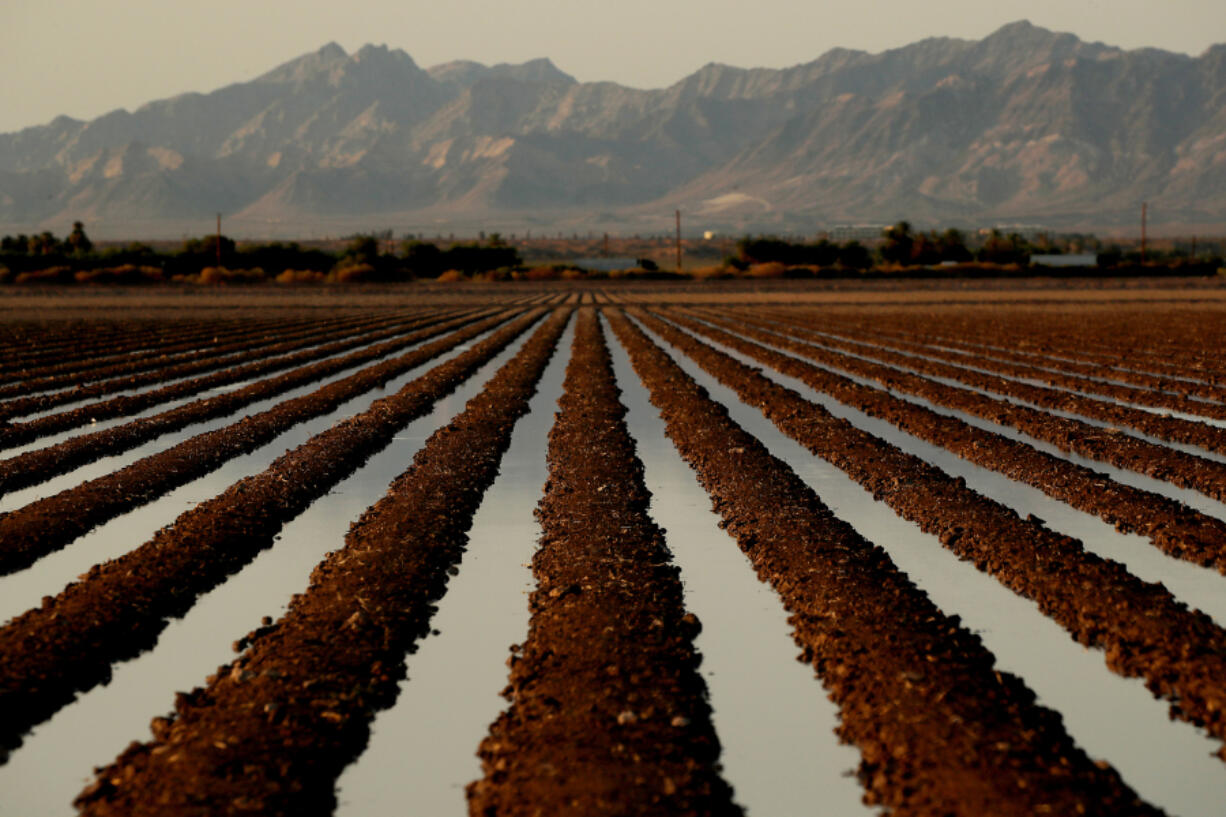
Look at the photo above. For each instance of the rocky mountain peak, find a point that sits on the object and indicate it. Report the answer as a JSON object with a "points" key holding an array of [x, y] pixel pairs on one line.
{"points": [[1026, 125], [307, 67], [1022, 45], [465, 73], [541, 69]]}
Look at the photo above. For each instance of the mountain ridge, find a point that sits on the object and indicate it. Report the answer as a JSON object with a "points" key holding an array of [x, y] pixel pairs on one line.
{"points": [[1024, 125]]}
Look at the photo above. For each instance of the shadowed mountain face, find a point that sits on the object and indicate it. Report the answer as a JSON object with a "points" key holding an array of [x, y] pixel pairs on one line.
{"points": [[1023, 125]]}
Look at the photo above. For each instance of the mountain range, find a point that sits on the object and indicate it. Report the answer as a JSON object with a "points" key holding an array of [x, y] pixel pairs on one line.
{"points": [[1024, 126]]}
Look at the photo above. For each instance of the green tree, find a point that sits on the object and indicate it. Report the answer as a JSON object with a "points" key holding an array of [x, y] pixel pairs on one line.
{"points": [[424, 259], [899, 242], [207, 247], [78, 242], [363, 249], [925, 250], [19, 244], [952, 246], [855, 255], [1001, 249], [43, 244]]}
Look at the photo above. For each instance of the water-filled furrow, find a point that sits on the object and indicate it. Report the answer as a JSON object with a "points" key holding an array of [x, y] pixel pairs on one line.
{"points": [[56, 758], [21, 591], [422, 751], [1193, 450], [1199, 588], [1168, 763], [775, 724]]}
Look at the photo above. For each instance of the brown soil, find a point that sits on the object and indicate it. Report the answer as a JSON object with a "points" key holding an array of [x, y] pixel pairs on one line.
{"points": [[608, 712], [1089, 389], [1094, 442], [1173, 429], [1143, 630], [58, 346], [1111, 367], [69, 643], [266, 344], [1168, 340], [1167, 337], [48, 524], [940, 731], [272, 731], [15, 434], [1172, 526], [35, 466], [73, 369]]}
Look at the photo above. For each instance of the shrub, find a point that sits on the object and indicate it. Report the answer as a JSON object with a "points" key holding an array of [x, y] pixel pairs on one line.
{"points": [[771, 269], [452, 275], [51, 275], [542, 274], [500, 274], [223, 276], [299, 276], [855, 256], [122, 274], [352, 273], [713, 272], [211, 275]]}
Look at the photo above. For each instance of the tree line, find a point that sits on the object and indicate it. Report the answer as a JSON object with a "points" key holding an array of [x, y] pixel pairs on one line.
{"points": [[903, 246], [46, 258]]}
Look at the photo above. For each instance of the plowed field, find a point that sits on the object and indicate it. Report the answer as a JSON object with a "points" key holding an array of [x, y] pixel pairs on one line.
{"points": [[989, 523]]}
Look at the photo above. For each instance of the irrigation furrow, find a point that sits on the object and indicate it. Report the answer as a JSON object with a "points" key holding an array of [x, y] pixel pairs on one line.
{"points": [[606, 699], [51, 523], [1099, 348], [939, 730], [1153, 381], [1095, 389], [776, 728], [261, 348], [38, 465], [1106, 444], [1170, 525], [1144, 631], [16, 434], [70, 374], [272, 731], [24, 590], [457, 673], [87, 346], [118, 608], [96, 727], [1173, 429]]}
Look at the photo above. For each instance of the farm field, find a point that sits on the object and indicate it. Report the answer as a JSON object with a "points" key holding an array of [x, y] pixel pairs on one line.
{"points": [[773, 548]]}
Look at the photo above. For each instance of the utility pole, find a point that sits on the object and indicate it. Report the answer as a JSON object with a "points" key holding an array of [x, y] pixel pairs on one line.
{"points": [[678, 242], [218, 240], [1144, 218]]}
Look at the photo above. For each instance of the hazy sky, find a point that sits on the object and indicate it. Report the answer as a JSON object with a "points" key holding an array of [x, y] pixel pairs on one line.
{"points": [[86, 57]]}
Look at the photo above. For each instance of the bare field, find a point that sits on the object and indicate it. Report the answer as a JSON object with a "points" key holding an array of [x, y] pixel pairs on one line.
{"points": [[553, 548]]}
